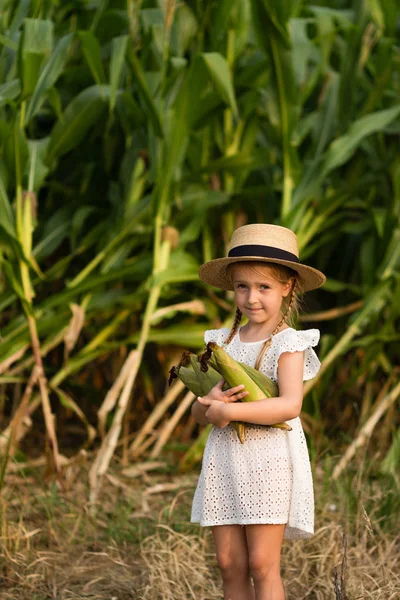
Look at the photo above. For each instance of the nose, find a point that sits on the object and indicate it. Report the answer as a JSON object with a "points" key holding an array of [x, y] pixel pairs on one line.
{"points": [[252, 296]]}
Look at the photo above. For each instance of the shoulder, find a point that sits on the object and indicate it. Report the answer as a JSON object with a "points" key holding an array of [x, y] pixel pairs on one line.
{"points": [[290, 341], [216, 335], [293, 340]]}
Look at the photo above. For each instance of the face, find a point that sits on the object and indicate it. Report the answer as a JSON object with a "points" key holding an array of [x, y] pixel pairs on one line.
{"points": [[258, 294]]}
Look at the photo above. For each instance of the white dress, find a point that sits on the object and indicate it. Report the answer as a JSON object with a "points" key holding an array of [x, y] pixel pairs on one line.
{"points": [[268, 478]]}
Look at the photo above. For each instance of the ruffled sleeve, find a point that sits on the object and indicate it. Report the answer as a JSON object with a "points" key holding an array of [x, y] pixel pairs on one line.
{"points": [[299, 341], [216, 335]]}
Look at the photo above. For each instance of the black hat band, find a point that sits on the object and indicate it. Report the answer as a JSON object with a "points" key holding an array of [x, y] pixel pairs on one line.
{"points": [[262, 251]]}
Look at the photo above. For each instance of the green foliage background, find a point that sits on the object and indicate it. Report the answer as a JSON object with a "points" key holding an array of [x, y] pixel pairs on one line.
{"points": [[135, 136]]}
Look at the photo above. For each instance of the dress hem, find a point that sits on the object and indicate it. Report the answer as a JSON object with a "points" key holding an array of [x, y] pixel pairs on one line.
{"points": [[238, 522], [291, 531]]}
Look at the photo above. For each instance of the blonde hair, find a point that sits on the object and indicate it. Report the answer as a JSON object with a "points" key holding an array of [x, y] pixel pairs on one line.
{"points": [[289, 307]]}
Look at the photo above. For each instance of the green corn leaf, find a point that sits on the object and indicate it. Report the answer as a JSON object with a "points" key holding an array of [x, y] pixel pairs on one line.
{"points": [[391, 262], [278, 15], [218, 69], [183, 30], [144, 92], [180, 120], [78, 118], [7, 42], [377, 13], [21, 11], [343, 148], [9, 91], [306, 52], [92, 52], [270, 22], [171, 275], [54, 231], [35, 46], [136, 272], [6, 214], [182, 267], [177, 335], [326, 119], [101, 8], [118, 52], [14, 281], [236, 163], [49, 74], [37, 170]]}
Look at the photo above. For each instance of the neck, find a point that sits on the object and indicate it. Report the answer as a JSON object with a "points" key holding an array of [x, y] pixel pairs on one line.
{"points": [[265, 331]]}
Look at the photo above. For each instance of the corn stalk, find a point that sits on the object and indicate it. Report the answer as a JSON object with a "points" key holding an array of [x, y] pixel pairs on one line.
{"points": [[186, 120]]}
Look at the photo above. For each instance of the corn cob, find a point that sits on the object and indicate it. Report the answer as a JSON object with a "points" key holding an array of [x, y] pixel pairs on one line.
{"points": [[201, 374], [234, 373], [196, 380]]}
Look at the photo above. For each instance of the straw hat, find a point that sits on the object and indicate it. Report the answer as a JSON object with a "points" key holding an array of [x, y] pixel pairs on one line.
{"points": [[264, 243]]}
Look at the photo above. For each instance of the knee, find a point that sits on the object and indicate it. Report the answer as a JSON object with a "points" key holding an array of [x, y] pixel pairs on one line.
{"points": [[264, 569], [232, 567]]}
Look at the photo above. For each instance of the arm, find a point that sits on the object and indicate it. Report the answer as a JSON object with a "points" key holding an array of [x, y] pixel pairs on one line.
{"points": [[199, 413], [219, 396], [269, 410]]}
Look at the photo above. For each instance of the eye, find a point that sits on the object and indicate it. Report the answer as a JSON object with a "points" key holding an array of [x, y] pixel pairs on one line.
{"points": [[240, 286], [264, 287]]}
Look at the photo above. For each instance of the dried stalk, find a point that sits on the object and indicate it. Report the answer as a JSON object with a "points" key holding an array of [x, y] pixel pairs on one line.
{"points": [[369, 307], [194, 307], [48, 416], [340, 591], [18, 424], [139, 469], [156, 415], [170, 425], [147, 443], [366, 431], [4, 366], [112, 395], [29, 410], [62, 373], [74, 329], [108, 446], [333, 313], [44, 350]]}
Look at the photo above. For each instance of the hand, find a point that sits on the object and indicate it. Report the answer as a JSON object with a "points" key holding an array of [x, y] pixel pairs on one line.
{"points": [[217, 394], [216, 414], [216, 400]]}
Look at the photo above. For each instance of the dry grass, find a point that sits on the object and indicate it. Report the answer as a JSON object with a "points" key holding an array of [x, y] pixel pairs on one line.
{"points": [[177, 566], [140, 545]]}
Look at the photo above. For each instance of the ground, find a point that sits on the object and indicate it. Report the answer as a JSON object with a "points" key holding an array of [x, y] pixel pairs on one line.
{"points": [[138, 544]]}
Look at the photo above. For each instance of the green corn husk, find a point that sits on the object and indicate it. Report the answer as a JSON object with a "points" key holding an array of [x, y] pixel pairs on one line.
{"points": [[189, 372], [256, 383], [201, 373]]}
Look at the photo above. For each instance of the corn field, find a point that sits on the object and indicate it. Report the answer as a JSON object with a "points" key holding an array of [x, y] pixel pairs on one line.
{"points": [[134, 138]]}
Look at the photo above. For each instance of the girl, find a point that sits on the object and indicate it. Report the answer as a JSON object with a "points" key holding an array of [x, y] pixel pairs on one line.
{"points": [[255, 494]]}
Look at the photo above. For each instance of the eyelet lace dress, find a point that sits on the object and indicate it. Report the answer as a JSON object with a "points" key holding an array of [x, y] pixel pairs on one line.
{"points": [[268, 478]]}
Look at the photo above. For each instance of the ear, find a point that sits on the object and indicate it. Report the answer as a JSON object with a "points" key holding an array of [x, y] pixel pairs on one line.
{"points": [[287, 287]]}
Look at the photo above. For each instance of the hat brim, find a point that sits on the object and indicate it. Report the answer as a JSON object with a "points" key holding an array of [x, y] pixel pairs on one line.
{"points": [[215, 272]]}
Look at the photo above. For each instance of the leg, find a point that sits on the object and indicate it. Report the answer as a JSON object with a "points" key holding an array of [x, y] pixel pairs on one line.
{"points": [[232, 557], [264, 544]]}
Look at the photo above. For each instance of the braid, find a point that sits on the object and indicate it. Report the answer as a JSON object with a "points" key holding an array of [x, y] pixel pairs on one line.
{"points": [[268, 342], [235, 326], [292, 301]]}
